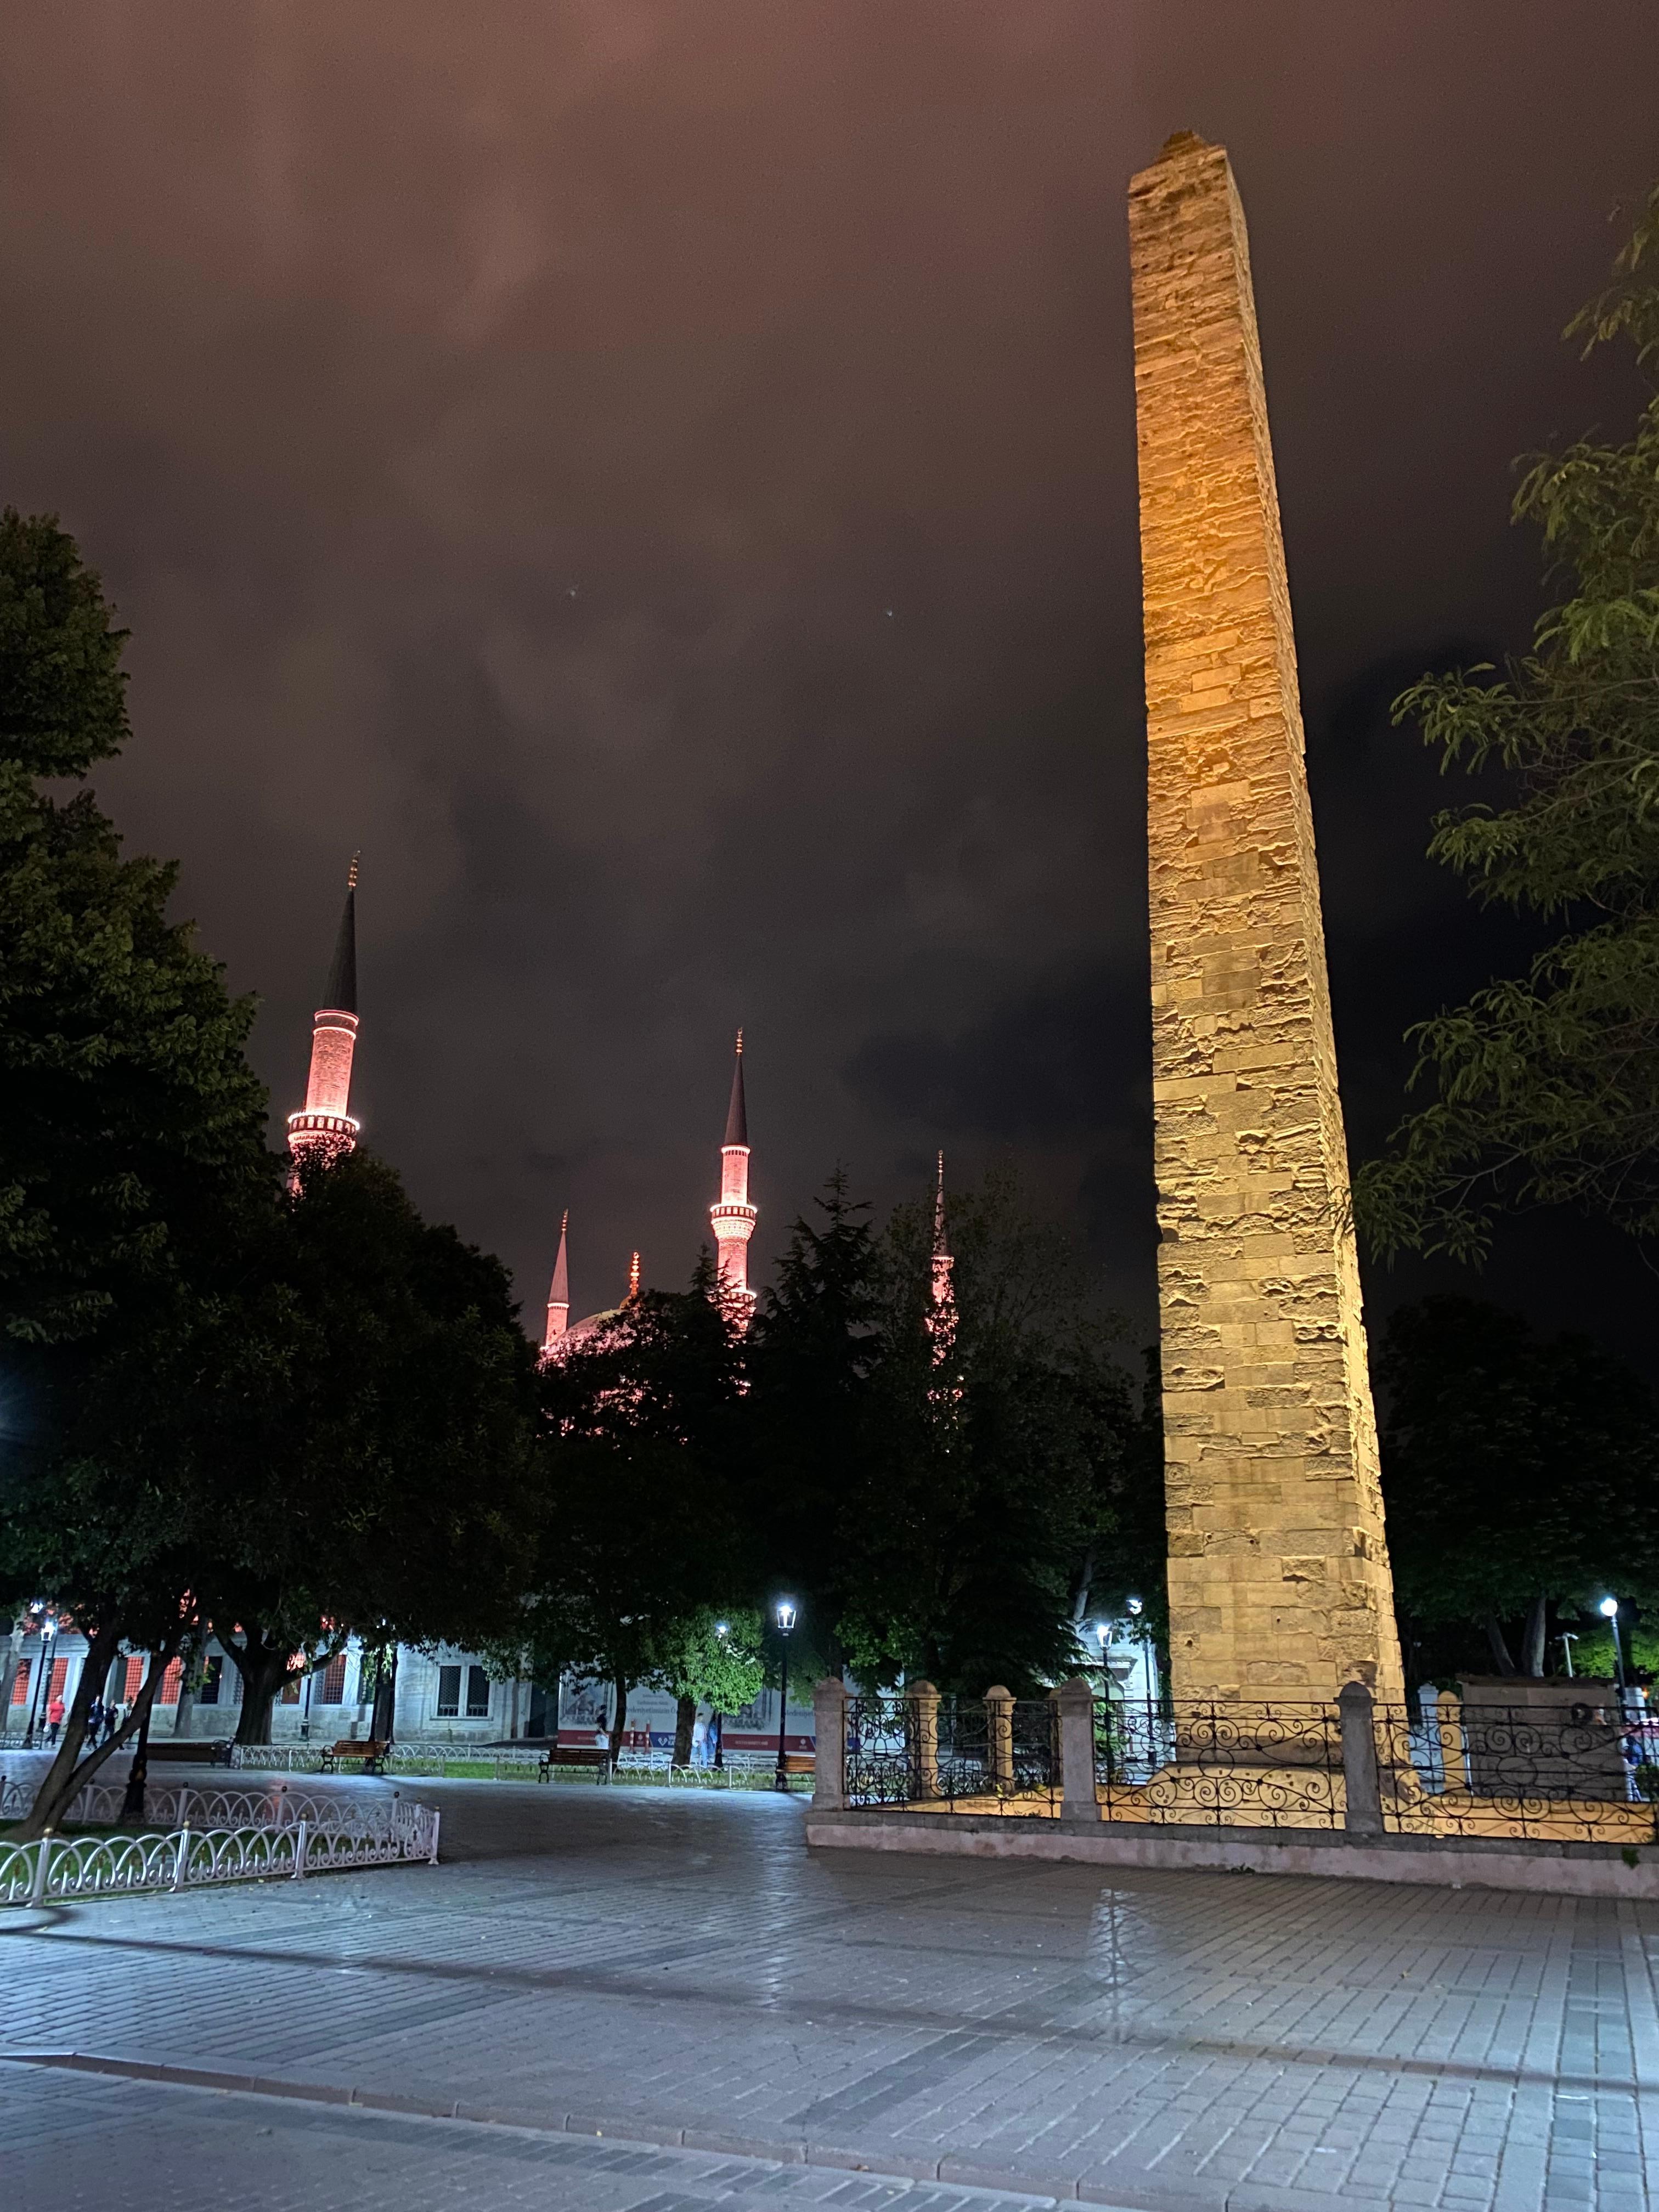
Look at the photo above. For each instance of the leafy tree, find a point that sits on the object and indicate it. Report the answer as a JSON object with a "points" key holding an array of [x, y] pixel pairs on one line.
{"points": [[128, 1112], [1546, 1085], [374, 1473], [974, 1541], [638, 1529], [1519, 1475], [947, 1515], [709, 1657], [131, 1132]]}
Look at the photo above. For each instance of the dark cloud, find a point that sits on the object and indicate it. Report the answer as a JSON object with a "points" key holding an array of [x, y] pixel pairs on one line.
{"points": [[660, 479]]}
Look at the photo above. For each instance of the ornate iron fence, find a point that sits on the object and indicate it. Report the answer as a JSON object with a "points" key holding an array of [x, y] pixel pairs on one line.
{"points": [[953, 1754], [1226, 1763], [60, 1870], [1571, 1769]]}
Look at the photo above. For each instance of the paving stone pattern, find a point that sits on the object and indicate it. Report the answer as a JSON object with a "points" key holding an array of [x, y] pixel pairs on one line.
{"points": [[682, 1970]]}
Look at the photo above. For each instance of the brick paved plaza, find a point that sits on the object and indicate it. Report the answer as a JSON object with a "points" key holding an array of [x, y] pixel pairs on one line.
{"points": [[679, 1970]]}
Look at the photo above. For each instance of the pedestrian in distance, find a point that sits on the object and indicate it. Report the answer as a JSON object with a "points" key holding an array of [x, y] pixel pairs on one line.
{"points": [[95, 1721], [699, 1741], [54, 1717], [112, 1721]]}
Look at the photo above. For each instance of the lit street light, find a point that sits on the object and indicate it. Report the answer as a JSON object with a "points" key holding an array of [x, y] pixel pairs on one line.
{"points": [[1608, 1610], [786, 1616]]}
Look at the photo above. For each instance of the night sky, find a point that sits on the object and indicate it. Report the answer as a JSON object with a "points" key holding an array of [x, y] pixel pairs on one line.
{"points": [[659, 476]]}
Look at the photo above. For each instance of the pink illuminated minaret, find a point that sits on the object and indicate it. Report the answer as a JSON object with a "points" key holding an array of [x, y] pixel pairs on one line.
{"points": [[941, 1320], [558, 1296], [732, 1215], [324, 1129]]}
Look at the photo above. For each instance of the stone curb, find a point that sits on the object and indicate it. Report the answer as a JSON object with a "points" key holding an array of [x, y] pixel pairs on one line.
{"points": [[1137, 2192], [1592, 1870]]}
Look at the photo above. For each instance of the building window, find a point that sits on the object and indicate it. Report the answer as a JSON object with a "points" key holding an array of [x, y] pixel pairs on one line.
{"points": [[20, 1683], [291, 1691], [449, 1692], [477, 1694], [135, 1681], [333, 1689], [212, 1676], [172, 1681], [59, 1676]]}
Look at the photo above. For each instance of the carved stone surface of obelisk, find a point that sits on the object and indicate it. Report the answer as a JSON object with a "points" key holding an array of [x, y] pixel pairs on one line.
{"points": [[1278, 1569]]}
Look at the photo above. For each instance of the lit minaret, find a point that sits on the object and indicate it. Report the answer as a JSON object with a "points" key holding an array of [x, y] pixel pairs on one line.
{"points": [[732, 1217], [558, 1296], [941, 1320], [324, 1129]]}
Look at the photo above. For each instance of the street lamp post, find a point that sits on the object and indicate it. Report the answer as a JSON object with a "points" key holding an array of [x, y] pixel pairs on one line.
{"points": [[42, 1674], [785, 1618], [722, 1628], [1609, 1612], [1567, 1640]]}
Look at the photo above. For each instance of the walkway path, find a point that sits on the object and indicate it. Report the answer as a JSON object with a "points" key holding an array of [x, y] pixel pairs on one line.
{"points": [[681, 1970]]}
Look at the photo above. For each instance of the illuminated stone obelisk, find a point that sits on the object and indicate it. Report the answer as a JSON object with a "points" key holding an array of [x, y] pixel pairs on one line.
{"points": [[1278, 1569]]}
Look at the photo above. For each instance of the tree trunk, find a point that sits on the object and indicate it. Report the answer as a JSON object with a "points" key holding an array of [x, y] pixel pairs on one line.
{"points": [[685, 1719], [132, 1804], [1498, 1648], [68, 1772], [1532, 1640], [619, 1718], [195, 1658], [263, 1667], [1080, 1594]]}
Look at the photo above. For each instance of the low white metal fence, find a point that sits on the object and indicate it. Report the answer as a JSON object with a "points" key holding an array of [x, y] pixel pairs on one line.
{"points": [[65, 1868], [99, 1805]]}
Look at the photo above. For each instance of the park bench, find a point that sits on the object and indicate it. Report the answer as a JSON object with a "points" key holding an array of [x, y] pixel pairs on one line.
{"points": [[366, 1749], [573, 1754], [189, 1751], [799, 1762]]}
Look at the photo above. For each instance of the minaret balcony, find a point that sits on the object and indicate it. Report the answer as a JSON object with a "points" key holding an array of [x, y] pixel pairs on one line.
{"points": [[316, 1132], [733, 1220]]}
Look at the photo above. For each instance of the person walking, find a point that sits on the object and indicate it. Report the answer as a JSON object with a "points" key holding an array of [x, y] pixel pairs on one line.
{"points": [[699, 1741], [95, 1721], [112, 1721], [54, 1717]]}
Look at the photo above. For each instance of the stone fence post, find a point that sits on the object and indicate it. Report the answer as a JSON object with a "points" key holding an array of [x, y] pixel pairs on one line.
{"points": [[923, 1699], [1000, 1737], [1362, 1787], [829, 1738], [1076, 1700]]}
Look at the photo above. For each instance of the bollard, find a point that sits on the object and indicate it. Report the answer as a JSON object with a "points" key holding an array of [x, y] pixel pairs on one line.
{"points": [[433, 1859], [1362, 1788], [301, 1848], [1000, 1737], [181, 1857], [829, 1745], [38, 1886]]}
